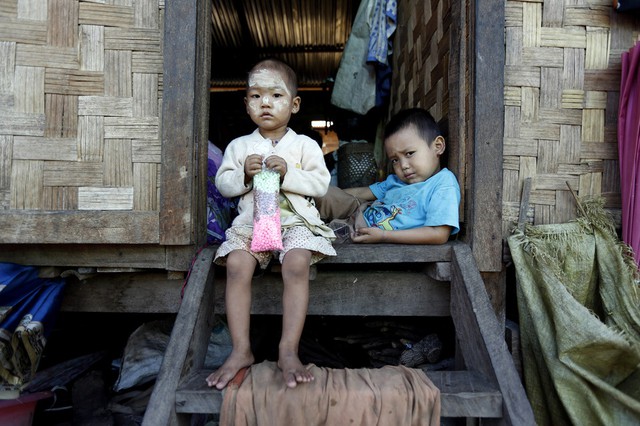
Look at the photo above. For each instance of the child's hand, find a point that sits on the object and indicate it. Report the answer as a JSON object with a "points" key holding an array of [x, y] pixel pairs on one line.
{"points": [[277, 164], [368, 235], [252, 166]]}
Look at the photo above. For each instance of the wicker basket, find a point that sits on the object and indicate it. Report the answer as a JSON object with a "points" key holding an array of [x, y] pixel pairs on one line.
{"points": [[356, 165]]}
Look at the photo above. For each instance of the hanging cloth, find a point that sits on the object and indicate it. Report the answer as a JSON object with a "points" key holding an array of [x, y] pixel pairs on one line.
{"points": [[363, 78], [383, 25], [629, 148], [355, 85], [578, 304]]}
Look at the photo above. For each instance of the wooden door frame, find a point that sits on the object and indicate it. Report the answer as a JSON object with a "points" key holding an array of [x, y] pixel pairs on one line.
{"points": [[484, 209], [185, 121], [476, 128], [186, 107]]}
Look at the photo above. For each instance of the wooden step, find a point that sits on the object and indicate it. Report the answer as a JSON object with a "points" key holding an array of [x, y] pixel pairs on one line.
{"points": [[340, 293], [489, 388], [462, 394]]}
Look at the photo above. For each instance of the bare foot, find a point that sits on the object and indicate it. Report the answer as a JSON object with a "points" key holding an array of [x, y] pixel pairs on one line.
{"points": [[292, 369], [223, 375]]}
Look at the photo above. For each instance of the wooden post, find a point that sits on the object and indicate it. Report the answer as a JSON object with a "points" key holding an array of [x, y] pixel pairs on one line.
{"points": [[185, 118], [484, 348], [485, 194], [184, 355]]}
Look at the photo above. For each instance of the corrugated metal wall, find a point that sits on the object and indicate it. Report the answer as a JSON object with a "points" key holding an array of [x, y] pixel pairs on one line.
{"points": [[307, 34]]}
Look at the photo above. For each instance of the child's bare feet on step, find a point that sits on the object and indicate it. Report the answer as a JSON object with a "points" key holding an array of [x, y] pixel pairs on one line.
{"points": [[223, 375], [292, 369]]}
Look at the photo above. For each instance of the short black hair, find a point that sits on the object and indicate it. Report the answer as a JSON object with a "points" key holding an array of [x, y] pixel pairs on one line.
{"points": [[290, 77], [424, 123]]}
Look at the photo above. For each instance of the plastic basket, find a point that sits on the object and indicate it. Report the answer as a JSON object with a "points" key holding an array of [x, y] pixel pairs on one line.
{"points": [[356, 165]]}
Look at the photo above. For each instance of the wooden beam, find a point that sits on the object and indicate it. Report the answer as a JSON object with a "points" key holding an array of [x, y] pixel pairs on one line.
{"points": [[188, 343], [341, 293], [482, 338], [183, 112], [121, 293], [387, 253], [99, 255], [79, 227], [391, 253], [458, 122], [488, 123], [202, 119], [222, 88]]}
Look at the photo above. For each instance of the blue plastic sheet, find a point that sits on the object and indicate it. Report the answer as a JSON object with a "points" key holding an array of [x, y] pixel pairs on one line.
{"points": [[28, 308]]}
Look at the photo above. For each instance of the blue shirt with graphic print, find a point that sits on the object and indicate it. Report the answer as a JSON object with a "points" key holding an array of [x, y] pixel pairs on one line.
{"points": [[398, 205]]}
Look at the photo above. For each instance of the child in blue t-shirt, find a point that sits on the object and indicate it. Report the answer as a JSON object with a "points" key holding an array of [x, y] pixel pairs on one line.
{"points": [[418, 204]]}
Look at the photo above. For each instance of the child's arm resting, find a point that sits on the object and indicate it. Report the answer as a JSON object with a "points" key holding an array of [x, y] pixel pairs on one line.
{"points": [[423, 235], [362, 193]]}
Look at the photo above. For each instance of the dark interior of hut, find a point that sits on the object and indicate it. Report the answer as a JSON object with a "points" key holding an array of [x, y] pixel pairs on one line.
{"points": [[246, 32]]}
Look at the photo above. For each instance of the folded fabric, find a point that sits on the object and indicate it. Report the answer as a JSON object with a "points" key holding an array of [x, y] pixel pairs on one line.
{"points": [[392, 395]]}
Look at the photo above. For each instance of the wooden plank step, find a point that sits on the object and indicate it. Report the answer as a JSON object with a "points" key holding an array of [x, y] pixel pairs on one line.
{"points": [[342, 293], [391, 253], [462, 394], [350, 253]]}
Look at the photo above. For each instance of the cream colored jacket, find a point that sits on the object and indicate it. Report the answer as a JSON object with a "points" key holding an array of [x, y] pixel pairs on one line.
{"points": [[307, 176]]}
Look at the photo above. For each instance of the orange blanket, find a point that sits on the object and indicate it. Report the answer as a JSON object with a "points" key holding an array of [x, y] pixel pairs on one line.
{"points": [[392, 395]]}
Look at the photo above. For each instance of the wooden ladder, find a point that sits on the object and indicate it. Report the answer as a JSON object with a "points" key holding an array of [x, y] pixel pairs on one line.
{"points": [[354, 283]]}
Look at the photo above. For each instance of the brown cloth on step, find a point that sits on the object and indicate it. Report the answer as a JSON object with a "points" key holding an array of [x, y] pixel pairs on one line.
{"points": [[391, 395]]}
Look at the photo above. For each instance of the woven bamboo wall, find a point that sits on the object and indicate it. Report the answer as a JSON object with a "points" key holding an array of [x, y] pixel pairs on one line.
{"points": [[80, 96], [421, 73], [421, 57], [562, 78]]}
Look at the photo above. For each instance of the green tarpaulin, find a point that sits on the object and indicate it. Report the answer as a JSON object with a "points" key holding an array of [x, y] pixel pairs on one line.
{"points": [[579, 313]]}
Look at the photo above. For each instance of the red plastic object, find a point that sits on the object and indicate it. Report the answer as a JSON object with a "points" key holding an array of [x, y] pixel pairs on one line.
{"points": [[20, 411]]}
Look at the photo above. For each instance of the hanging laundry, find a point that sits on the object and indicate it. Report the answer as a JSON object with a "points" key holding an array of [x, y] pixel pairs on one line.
{"points": [[363, 79], [383, 25], [629, 148], [380, 47]]}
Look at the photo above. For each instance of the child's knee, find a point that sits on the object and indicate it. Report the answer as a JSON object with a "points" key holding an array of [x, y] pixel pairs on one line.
{"points": [[239, 260], [296, 263]]}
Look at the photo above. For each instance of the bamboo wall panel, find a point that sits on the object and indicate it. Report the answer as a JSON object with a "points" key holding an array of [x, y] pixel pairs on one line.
{"points": [[421, 61], [562, 78], [80, 102], [430, 70], [421, 57]]}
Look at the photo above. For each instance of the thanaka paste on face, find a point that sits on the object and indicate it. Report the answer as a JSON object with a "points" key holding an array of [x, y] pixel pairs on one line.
{"points": [[268, 79]]}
